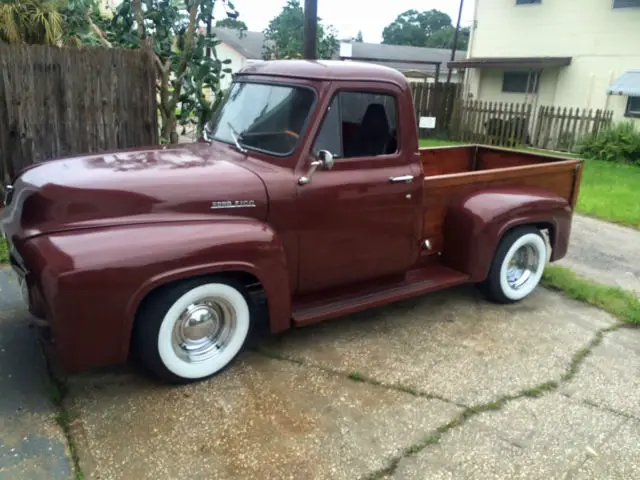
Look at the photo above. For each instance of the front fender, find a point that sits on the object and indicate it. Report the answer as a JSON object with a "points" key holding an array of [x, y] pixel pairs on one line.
{"points": [[93, 280], [475, 223]]}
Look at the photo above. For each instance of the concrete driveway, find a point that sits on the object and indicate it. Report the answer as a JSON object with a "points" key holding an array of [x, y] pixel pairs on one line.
{"points": [[443, 387], [447, 386], [32, 445], [605, 253]]}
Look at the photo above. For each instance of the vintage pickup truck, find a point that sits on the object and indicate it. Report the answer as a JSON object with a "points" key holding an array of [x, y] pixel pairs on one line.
{"points": [[310, 191]]}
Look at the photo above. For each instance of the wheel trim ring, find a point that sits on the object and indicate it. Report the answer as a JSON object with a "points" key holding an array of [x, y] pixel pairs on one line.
{"points": [[189, 370], [204, 329], [536, 242], [524, 267]]}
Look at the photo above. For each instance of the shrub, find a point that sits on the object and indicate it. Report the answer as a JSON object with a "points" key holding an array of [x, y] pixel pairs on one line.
{"points": [[619, 143]]}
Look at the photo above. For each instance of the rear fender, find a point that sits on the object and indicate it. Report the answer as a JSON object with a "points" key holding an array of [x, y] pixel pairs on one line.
{"points": [[474, 225], [94, 280]]}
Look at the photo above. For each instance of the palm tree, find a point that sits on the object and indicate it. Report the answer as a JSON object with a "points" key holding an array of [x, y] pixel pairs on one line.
{"points": [[32, 21]]}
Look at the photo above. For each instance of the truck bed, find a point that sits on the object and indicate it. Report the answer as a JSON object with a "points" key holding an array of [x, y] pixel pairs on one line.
{"points": [[451, 172]]}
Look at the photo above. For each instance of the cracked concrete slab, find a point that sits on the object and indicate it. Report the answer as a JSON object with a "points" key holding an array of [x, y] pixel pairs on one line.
{"points": [[604, 252], [616, 459], [273, 418], [546, 438], [32, 446], [454, 343], [610, 376], [262, 418]]}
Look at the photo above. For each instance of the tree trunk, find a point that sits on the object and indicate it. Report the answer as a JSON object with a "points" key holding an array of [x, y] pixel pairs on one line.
{"points": [[137, 11]]}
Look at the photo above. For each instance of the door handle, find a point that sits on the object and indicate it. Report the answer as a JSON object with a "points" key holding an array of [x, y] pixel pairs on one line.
{"points": [[402, 179]]}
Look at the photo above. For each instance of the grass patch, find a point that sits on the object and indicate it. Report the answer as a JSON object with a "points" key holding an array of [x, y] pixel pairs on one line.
{"points": [[609, 191], [437, 142], [616, 301], [4, 251]]}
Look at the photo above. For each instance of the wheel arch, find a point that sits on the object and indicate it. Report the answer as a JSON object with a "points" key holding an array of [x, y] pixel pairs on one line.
{"points": [[256, 283], [475, 225]]}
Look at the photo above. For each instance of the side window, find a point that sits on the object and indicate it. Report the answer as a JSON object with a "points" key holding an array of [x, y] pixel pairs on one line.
{"points": [[369, 124], [359, 124], [329, 137]]}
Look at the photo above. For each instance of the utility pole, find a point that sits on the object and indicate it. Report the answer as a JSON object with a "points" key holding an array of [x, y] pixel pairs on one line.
{"points": [[448, 98], [455, 41], [310, 28]]}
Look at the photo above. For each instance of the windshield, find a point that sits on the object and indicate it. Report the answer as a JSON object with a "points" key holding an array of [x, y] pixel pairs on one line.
{"points": [[264, 117]]}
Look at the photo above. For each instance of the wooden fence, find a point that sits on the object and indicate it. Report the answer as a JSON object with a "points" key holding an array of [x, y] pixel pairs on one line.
{"points": [[64, 101], [510, 124], [491, 123], [561, 128], [434, 100]]}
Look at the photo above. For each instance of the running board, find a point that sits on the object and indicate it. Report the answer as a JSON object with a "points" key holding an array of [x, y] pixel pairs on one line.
{"points": [[416, 282]]}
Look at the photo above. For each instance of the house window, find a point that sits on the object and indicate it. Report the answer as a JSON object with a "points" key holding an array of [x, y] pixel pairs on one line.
{"points": [[626, 3], [359, 124], [633, 107], [528, 2], [520, 82]]}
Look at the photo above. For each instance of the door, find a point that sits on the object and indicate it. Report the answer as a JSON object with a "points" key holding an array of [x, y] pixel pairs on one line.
{"points": [[360, 220]]}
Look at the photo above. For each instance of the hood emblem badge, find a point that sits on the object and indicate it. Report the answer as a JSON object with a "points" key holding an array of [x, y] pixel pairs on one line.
{"points": [[232, 204]]}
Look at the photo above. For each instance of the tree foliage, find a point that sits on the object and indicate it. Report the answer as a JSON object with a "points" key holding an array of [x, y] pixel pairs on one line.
{"points": [[359, 37], [232, 23], [188, 79], [32, 21], [50, 22], [284, 35], [431, 28]]}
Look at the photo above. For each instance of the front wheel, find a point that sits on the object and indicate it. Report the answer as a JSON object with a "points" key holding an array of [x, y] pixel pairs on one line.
{"points": [[193, 329], [517, 266]]}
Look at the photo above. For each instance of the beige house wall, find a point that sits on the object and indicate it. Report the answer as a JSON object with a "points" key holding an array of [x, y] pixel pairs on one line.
{"points": [[603, 43]]}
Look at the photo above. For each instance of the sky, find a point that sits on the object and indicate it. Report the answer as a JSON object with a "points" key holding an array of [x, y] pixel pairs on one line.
{"points": [[349, 16]]}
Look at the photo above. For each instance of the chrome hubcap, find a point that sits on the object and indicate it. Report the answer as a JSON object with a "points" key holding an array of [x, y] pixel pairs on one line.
{"points": [[203, 330], [522, 266]]}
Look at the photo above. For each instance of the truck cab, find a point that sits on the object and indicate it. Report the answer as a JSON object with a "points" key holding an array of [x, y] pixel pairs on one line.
{"points": [[310, 191]]}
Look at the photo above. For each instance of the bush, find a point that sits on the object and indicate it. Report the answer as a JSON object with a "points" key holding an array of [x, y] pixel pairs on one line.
{"points": [[620, 143]]}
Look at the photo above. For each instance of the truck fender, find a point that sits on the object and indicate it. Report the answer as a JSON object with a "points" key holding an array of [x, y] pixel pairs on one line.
{"points": [[235, 245], [475, 223], [116, 267]]}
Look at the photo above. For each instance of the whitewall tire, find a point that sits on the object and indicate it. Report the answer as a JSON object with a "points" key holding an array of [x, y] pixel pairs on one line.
{"points": [[192, 330], [517, 266]]}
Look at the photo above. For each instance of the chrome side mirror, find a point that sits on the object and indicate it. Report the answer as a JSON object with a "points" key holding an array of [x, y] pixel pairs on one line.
{"points": [[324, 160], [326, 157]]}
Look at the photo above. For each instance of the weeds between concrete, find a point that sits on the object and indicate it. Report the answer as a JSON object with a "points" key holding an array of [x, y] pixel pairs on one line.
{"points": [[468, 412], [58, 392]]}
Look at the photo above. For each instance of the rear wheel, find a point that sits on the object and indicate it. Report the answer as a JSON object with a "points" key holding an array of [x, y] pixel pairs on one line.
{"points": [[517, 266], [193, 329]]}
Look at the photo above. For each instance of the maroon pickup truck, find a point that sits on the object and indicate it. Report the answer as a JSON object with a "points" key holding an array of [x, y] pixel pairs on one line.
{"points": [[310, 191]]}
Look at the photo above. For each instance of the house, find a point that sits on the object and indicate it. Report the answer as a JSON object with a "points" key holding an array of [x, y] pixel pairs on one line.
{"points": [[416, 63], [567, 53], [242, 48]]}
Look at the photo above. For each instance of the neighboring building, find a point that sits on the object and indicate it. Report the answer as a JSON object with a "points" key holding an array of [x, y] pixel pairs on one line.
{"points": [[242, 48], [405, 58], [247, 47], [567, 53]]}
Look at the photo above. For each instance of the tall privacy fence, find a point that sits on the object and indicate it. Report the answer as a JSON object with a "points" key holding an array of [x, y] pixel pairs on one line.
{"points": [[64, 101], [434, 100], [510, 124]]}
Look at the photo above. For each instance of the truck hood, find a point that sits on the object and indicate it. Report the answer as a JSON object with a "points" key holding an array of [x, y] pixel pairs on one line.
{"points": [[192, 181]]}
